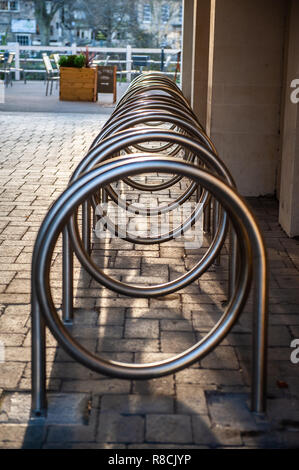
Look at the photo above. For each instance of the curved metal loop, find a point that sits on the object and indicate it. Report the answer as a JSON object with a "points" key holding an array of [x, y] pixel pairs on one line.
{"points": [[80, 190], [152, 111]]}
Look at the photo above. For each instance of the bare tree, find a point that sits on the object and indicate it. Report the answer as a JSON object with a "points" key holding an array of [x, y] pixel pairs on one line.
{"points": [[44, 14], [163, 15], [114, 19]]}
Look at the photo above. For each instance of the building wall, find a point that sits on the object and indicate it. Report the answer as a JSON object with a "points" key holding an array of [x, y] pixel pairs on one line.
{"points": [[167, 33], [247, 90], [26, 12], [289, 188]]}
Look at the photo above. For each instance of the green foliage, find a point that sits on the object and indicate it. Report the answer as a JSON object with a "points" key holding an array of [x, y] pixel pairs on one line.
{"points": [[72, 61], [4, 40], [101, 36], [80, 61]]}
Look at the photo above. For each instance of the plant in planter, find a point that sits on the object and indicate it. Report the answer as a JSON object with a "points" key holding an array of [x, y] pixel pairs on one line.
{"points": [[72, 61], [78, 80]]}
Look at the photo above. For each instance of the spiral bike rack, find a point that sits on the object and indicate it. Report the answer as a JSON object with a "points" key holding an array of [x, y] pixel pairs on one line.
{"points": [[118, 154]]}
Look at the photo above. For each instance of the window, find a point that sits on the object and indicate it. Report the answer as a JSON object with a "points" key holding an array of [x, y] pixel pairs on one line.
{"points": [[181, 15], [4, 5], [121, 35], [147, 13], [165, 13], [48, 6], [14, 5], [79, 15], [9, 5], [23, 39]]}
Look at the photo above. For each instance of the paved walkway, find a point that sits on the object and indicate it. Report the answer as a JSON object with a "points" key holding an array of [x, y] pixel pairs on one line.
{"points": [[203, 406], [31, 97]]}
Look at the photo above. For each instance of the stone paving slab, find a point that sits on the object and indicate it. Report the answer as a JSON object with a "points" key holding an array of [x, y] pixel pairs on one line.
{"points": [[31, 97], [204, 406], [71, 409]]}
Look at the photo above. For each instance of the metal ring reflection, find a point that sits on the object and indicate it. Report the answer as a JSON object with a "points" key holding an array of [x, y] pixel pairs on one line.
{"points": [[92, 182]]}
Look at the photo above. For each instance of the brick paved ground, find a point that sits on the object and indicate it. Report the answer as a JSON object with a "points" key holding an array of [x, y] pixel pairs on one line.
{"points": [[203, 406], [32, 98]]}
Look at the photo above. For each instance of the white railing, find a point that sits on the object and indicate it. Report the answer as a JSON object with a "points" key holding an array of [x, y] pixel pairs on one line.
{"points": [[74, 49]]}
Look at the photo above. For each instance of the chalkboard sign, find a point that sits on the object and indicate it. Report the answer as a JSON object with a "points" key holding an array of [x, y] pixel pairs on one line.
{"points": [[140, 60], [107, 79]]}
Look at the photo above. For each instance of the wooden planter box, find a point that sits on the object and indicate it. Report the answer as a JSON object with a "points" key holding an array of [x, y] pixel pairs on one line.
{"points": [[78, 84]]}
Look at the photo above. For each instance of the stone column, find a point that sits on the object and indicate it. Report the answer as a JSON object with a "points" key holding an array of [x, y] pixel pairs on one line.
{"points": [[247, 84], [289, 183], [187, 48], [236, 85], [202, 59]]}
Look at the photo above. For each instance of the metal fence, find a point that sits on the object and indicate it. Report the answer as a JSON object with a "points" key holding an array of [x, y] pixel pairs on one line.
{"points": [[30, 58]]}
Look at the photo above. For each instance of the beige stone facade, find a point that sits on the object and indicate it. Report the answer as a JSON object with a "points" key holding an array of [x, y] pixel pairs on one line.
{"points": [[245, 56]]}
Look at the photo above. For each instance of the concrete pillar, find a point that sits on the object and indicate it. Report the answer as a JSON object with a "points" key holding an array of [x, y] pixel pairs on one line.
{"points": [[202, 59], [237, 81], [246, 94], [289, 184], [187, 49]]}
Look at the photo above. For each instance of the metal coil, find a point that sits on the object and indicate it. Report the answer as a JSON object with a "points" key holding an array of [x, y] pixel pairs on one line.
{"points": [[153, 110]]}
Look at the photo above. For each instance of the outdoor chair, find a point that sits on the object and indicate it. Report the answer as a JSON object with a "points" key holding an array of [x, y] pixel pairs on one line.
{"points": [[51, 77], [139, 61], [107, 60], [97, 61], [56, 58], [7, 75], [8, 70], [121, 68], [167, 62]]}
